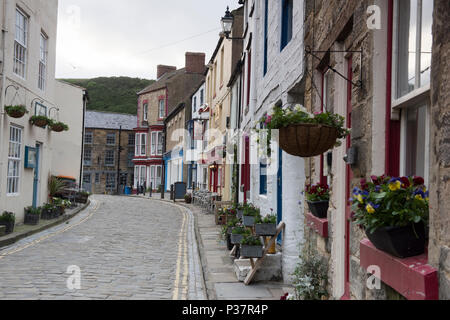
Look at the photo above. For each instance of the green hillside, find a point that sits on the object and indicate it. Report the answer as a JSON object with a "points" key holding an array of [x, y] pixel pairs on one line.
{"points": [[115, 94]]}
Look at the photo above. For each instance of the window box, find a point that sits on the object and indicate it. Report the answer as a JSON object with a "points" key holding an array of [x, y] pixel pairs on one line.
{"points": [[319, 208], [412, 277], [320, 226]]}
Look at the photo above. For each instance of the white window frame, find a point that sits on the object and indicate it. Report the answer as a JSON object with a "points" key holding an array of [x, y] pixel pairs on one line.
{"points": [[108, 185], [140, 148], [20, 44], [145, 107], [15, 160], [109, 158], [418, 97], [88, 136], [155, 176], [109, 136], [156, 148], [43, 53], [87, 161], [162, 109]]}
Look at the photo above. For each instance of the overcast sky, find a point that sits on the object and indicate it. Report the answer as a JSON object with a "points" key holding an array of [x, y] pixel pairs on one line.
{"points": [[130, 37]]}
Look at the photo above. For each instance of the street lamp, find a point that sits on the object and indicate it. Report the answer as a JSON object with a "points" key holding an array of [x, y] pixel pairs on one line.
{"points": [[227, 25]]}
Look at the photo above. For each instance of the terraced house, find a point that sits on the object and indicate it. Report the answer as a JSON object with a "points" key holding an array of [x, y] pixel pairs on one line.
{"points": [[109, 148], [30, 154]]}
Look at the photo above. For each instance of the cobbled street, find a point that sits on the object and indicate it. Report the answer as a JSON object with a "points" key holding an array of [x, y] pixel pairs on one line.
{"points": [[124, 247]]}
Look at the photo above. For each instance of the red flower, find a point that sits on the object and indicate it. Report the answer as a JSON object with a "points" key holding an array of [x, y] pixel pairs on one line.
{"points": [[405, 182], [418, 181], [375, 180], [364, 184], [284, 297]]}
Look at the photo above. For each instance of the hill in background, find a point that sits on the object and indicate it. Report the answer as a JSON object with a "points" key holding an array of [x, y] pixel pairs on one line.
{"points": [[114, 94]]}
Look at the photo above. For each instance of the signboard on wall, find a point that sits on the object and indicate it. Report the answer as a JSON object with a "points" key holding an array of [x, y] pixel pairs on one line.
{"points": [[198, 130], [30, 157]]}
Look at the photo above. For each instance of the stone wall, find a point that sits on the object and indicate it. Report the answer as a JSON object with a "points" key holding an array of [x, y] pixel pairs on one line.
{"points": [[439, 251]]}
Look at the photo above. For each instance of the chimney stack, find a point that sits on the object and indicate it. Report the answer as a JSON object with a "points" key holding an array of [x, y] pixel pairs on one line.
{"points": [[195, 62], [162, 70]]}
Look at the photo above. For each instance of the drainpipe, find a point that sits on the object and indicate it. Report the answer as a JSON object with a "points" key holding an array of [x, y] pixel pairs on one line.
{"points": [[83, 129], [2, 94]]}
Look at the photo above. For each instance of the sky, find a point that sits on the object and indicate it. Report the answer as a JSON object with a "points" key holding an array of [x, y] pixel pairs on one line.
{"points": [[131, 37]]}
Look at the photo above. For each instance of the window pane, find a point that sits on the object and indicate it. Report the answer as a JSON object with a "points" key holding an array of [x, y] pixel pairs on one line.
{"points": [[427, 42], [415, 141], [406, 59]]}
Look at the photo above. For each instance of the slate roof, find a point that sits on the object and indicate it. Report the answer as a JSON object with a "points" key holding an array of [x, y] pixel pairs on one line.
{"points": [[161, 83], [107, 120]]}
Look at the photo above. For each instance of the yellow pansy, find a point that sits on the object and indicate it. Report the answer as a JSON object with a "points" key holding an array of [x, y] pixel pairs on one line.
{"points": [[370, 209], [394, 186]]}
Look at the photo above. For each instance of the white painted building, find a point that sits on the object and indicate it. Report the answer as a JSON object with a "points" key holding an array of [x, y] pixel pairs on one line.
{"points": [[272, 74], [27, 66]]}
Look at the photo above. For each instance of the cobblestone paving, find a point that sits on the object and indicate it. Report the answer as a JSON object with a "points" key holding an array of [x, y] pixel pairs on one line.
{"points": [[126, 248]]}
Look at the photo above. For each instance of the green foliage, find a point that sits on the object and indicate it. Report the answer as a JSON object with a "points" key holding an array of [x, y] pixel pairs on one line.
{"points": [[269, 219], [251, 211], [390, 202], [55, 124], [33, 211], [34, 119], [311, 278], [114, 94], [55, 185], [48, 207], [250, 240], [285, 117], [8, 217], [18, 108], [242, 230]]}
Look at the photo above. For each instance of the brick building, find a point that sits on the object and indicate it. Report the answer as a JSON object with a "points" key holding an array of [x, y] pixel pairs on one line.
{"points": [[103, 173], [155, 103], [379, 78]]}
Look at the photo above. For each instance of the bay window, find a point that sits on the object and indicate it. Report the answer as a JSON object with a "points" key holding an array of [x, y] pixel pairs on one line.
{"points": [[155, 176], [157, 143], [141, 144]]}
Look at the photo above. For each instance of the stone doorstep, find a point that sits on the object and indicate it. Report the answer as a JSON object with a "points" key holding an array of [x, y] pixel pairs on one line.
{"points": [[2, 230], [269, 271]]}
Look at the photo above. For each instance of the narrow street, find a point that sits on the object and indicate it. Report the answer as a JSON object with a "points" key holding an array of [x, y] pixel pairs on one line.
{"points": [[125, 248]]}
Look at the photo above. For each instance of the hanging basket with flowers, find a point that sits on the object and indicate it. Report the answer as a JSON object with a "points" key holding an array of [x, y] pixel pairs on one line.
{"points": [[40, 121], [59, 126], [393, 213], [304, 134], [16, 112]]}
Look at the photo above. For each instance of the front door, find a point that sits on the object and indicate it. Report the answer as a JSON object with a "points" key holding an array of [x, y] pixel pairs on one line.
{"points": [[37, 178], [349, 178]]}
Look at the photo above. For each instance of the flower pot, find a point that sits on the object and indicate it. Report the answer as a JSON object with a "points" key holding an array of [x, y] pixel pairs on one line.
{"points": [[251, 251], [31, 219], [248, 221], [48, 214], [236, 238], [401, 242], [307, 140], [9, 225], [263, 229], [319, 209], [273, 248], [240, 214], [17, 114]]}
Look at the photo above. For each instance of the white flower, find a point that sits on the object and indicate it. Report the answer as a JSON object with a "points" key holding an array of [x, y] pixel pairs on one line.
{"points": [[300, 108]]}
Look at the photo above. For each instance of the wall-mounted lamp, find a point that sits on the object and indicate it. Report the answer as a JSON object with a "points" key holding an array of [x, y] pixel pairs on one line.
{"points": [[227, 25]]}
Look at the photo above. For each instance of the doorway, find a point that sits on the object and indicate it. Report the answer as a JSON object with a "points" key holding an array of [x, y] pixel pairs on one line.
{"points": [[37, 178]]}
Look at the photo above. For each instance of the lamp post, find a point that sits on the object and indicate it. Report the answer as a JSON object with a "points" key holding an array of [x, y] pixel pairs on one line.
{"points": [[227, 25]]}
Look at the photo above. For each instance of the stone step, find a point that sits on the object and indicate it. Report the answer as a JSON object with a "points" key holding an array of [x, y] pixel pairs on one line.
{"points": [[2, 230]]}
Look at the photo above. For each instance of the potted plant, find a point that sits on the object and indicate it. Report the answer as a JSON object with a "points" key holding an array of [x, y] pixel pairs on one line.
{"points": [[250, 215], [238, 233], [251, 247], [82, 197], [188, 198], [32, 216], [394, 214], [40, 121], [8, 219], [221, 217], [59, 206], [16, 111], [227, 230], [318, 199], [49, 212], [266, 226], [239, 211], [304, 134], [58, 126]]}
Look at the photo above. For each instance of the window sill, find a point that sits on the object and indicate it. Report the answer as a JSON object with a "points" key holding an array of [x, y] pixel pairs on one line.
{"points": [[412, 277], [320, 226]]}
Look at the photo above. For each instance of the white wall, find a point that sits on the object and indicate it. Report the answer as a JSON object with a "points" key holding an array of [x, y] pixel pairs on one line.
{"points": [[284, 72]]}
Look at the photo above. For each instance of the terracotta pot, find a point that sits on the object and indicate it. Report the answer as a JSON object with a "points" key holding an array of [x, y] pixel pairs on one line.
{"points": [[307, 140], [401, 242]]}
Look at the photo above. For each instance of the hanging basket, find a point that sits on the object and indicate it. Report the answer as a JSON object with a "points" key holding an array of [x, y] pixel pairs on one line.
{"points": [[307, 140], [57, 128], [41, 123], [16, 112]]}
